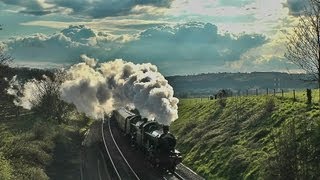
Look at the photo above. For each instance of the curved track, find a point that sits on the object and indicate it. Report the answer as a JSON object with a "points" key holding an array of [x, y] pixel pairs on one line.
{"points": [[173, 176], [178, 176], [121, 167]]}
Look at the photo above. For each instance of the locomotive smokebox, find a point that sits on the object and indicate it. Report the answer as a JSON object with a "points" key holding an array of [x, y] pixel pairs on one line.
{"points": [[165, 129]]}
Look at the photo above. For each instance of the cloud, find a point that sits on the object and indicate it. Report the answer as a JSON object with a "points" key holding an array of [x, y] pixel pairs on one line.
{"points": [[64, 47], [34, 7], [111, 25], [236, 3], [264, 64], [193, 42], [296, 7], [89, 61], [268, 57], [88, 8], [181, 46]]}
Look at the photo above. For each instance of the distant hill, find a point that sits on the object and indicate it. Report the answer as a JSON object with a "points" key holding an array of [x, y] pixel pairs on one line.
{"points": [[205, 84]]}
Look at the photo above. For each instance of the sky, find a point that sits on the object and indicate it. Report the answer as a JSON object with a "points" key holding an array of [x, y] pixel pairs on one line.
{"points": [[179, 36]]}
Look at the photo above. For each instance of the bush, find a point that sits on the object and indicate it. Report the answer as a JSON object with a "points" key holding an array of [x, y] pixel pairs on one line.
{"points": [[270, 105], [41, 131], [297, 151], [36, 174], [222, 102], [5, 169], [32, 173], [31, 152]]}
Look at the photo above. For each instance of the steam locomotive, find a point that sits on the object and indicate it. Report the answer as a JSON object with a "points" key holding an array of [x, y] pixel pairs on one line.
{"points": [[155, 140]]}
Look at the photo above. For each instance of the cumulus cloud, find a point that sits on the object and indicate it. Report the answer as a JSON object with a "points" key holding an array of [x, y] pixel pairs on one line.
{"points": [[88, 8], [63, 47], [194, 42], [35, 7], [268, 57], [167, 46], [236, 3], [296, 7]]}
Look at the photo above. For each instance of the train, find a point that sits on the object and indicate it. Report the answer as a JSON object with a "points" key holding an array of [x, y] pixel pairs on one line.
{"points": [[153, 139]]}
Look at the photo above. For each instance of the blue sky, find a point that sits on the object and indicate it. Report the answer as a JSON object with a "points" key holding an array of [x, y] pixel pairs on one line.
{"points": [[179, 36]]}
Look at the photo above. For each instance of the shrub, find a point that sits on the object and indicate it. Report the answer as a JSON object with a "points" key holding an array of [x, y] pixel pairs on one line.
{"points": [[222, 102], [36, 174], [32, 173], [270, 105], [41, 131], [5, 169]]}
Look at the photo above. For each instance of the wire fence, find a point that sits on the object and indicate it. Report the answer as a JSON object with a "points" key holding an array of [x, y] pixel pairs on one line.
{"points": [[306, 95]]}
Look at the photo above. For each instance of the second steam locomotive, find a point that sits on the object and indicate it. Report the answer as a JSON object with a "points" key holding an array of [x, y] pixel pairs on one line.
{"points": [[155, 140]]}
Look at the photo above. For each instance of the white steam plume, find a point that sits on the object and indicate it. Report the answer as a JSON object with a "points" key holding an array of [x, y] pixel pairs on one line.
{"points": [[89, 61], [99, 90], [28, 94]]}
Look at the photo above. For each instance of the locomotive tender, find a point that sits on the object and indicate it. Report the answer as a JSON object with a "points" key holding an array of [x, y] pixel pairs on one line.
{"points": [[157, 143]]}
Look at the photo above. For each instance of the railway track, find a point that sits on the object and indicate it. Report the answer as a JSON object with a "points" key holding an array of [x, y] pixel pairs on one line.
{"points": [[120, 165], [173, 176], [121, 169], [178, 176]]}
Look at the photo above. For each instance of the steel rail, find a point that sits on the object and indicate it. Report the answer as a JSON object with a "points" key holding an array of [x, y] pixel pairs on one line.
{"points": [[107, 149], [114, 141], [178, 176]]}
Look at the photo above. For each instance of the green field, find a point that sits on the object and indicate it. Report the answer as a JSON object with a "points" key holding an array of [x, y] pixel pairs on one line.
{"points": [[250, 137]]}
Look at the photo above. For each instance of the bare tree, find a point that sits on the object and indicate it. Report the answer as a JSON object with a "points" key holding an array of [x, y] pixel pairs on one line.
{"points": [[48, 102], [303, 47], [42, 96], [5, 59]]}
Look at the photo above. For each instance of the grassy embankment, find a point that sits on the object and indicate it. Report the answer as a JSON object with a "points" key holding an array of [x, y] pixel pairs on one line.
{"points": [[250, 137], [32, 147]]}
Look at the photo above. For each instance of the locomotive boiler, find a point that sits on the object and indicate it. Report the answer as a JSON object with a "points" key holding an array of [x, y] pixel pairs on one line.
{"points": [[155, 140]]}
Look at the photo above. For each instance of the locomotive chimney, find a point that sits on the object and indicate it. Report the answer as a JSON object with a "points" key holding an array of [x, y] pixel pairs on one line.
{"points": [[165, 129]]}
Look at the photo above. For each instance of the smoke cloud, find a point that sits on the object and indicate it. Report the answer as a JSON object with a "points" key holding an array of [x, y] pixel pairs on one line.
{"points": [[28, 94], [89, 61], [99, 90]]}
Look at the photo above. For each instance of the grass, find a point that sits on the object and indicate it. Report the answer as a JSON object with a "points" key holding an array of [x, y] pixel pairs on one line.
{"points": [[233, 138]]}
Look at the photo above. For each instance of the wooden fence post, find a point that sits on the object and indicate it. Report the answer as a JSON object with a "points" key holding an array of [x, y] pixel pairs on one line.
{"points": [[309, 96], [274, 92], [294, 95], [267, 91], [282, 93]]}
